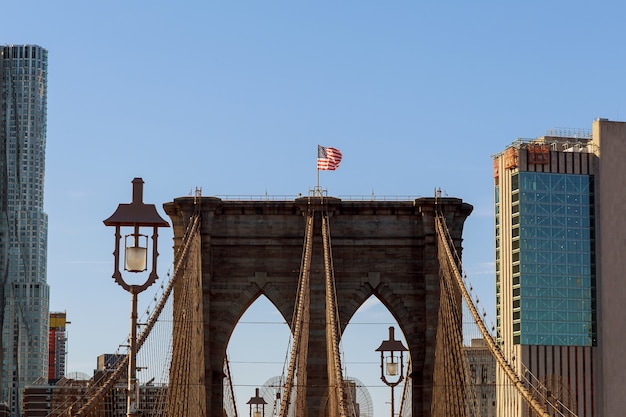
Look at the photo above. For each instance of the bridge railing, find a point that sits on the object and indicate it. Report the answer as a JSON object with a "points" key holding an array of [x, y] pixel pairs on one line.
{"points": [[292, 197]]}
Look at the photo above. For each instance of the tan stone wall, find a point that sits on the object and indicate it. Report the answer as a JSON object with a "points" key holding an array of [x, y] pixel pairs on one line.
{"points": [[610, 137]]}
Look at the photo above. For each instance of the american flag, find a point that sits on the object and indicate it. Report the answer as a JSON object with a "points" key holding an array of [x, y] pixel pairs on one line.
{"points": [[328, 159]]}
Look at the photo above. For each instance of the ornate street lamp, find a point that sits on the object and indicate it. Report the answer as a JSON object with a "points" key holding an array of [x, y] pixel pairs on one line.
{"points": [[391, 363], [257, 405], [134, 217]]}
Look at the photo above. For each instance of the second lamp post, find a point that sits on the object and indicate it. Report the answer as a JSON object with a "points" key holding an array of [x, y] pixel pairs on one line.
{"points": [[391, 363], [257, 405]]}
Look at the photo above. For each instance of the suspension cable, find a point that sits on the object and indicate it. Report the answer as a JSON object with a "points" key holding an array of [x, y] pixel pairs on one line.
{"points": [[123, 364], [332, 320], [495, 350], [300, 319]]}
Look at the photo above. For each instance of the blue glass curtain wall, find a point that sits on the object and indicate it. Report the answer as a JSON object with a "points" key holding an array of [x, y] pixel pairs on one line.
{"points": [[553, 272]]}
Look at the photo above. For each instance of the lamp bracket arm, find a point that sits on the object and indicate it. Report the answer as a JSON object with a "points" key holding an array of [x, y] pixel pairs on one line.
{"points": [[117, 276]]}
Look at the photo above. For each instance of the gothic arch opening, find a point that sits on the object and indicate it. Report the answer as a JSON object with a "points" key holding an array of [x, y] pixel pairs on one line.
{"points": [[367, 328], [256, 353]]}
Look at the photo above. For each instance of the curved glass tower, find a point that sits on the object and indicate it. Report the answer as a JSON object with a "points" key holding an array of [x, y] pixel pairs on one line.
{"points": [[24, 293]]}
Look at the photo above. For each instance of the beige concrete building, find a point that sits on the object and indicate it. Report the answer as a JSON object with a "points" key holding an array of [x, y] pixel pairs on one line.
{"points": [[481, 398], [560, 260], [609, 140]]}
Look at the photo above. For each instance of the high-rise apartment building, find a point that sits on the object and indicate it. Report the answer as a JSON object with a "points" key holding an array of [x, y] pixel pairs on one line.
{"points": [[24, 293], [560, 262], [57, 345]]}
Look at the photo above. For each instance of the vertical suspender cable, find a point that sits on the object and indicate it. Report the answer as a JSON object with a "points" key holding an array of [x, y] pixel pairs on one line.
{"points": [[299, 320], [335, 378]]}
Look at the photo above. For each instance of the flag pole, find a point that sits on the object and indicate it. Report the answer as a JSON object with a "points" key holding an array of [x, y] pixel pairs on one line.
{"points": [[317, 181], [317, 184]]}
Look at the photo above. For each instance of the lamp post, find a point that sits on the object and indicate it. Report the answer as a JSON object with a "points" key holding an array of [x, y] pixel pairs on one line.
{"points": [[133, 218], [257, 405], [391, 363]]}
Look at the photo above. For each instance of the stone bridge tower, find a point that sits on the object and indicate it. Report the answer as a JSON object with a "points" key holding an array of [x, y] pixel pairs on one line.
{"points": [[383, 248]]}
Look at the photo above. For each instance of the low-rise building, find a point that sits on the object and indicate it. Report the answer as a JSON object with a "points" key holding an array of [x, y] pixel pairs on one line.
{"points": [[481, 390]]}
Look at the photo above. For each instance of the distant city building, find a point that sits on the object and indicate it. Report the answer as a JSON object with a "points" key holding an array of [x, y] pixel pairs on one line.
{"points": [[57, 346], [481, 395], [560, 261], [24, 296], [108, 361], [56, 398], [350, 398]]}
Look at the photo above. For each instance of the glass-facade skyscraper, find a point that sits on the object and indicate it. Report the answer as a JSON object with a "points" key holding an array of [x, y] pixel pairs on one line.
{"points": [[24, 292], [546, 304], [560, 247]]}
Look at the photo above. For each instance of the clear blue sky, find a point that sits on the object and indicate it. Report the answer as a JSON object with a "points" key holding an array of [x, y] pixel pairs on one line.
{"points": [[234, 96]]}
